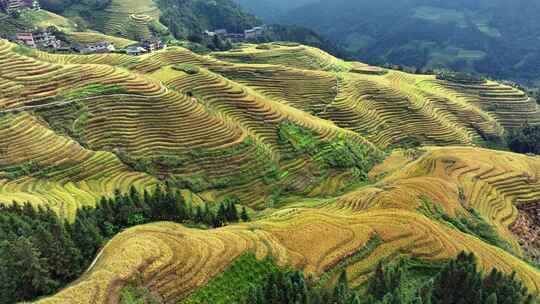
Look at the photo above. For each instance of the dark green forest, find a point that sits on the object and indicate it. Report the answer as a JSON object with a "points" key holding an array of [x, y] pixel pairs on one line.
{"points": [[525, 140], [185, 18], [405, 282]]}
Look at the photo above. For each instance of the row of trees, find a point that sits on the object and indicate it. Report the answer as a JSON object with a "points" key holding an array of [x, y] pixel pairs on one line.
{"points": [[37, 247], [457, 281], [291, 287]]}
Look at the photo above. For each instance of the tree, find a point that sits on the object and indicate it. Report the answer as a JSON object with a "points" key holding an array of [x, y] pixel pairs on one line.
{"points": [[232, 213], [492, 299], [87, 237], [244, 215], [22, 272]]}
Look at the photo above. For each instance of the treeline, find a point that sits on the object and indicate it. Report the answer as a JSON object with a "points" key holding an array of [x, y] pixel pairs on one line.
{"points": [[36, 246], [457, 281], [291, 287]]}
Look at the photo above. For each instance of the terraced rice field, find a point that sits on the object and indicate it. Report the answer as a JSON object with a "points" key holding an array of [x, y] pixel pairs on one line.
{"points": [[510, 106], [302, 57], [176, 260], [92, 37], [45, 168], [128, 19], [229, 128], [221, 122], [493, 183]]}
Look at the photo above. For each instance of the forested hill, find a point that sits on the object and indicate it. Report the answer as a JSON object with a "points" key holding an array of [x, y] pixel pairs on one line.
{"points": [[182, 17], [185, 17], [496, 37], [271, 10]]}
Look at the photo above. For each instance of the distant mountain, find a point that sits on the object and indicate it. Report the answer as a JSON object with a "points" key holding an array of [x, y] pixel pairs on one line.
{"points": [[496, 37], [271, 10]]}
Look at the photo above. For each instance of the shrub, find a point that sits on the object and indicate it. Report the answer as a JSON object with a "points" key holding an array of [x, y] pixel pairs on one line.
{"points": [[22, 50], [338, 153], [459, 77], [264, 47], [186, 68]]}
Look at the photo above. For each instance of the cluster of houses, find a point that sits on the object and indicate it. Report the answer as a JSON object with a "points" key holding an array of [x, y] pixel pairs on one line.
{"points": [[44, 39], [38, 39], [248, 34], [14, 5], [146, 46]]}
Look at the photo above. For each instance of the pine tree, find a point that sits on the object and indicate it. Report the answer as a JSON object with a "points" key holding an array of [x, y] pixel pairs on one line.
{"points": [[252, 295], [492, 299], [86, 237], [199, 216], [244, 215], [221, 215], [356, 300], [134, 195], [232, 213], [341, 290]]}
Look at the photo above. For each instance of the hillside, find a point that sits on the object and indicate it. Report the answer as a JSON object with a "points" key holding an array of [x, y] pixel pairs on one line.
{"points": [[271, 10], [342, 165], [316, 236], [497, 38], [140, 19]]}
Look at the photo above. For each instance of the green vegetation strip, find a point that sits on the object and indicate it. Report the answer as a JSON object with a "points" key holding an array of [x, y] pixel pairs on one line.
{"points": [[234, 284], [472, 224]]}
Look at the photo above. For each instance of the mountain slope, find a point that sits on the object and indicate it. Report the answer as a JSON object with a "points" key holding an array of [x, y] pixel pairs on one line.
{"points": [[315, 239], [271, 10]]}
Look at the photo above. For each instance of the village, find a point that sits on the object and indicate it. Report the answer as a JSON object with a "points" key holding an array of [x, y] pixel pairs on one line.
{"points": [[248, 34], [45, 38]]}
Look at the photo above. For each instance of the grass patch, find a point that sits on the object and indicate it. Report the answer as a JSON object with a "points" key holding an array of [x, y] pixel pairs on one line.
{"points": [[402, 278], [235, 283], [135, 293], [70, 120], [459, 77], [266, 169], [339, 153], [186, 68], [93, 90], [32, 169], [22, 50]]}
